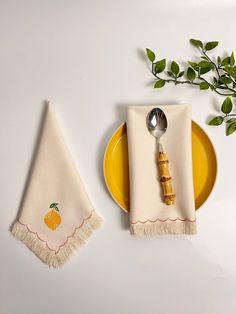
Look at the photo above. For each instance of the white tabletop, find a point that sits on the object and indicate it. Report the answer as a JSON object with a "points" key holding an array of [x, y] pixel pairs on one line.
{"points": [[87, 58]]}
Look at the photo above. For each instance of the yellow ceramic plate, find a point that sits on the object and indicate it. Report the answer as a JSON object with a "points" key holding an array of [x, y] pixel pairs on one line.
{"points": [[116, 166]]}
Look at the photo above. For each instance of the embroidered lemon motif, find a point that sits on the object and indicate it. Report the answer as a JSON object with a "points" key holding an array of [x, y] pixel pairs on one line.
{"points": [[53, 219]]}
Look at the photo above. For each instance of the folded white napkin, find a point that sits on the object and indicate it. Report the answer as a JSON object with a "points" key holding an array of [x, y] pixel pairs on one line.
{"points": [[57, 216], [149, 215]]}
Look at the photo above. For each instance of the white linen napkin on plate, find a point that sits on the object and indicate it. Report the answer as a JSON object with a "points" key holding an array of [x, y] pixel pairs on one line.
{"points": [[57, 216], [149, 215]]}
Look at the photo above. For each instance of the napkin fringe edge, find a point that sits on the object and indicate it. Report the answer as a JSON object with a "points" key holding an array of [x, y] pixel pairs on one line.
{"points": [[162, 228], [52, 257]]}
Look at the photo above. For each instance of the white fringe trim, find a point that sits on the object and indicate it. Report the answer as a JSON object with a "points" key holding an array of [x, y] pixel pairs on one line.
{"points": [[162, 228], [48, 256]]}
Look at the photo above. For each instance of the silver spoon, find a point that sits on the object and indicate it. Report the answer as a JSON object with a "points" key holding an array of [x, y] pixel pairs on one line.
{"points": [[157, 126]]}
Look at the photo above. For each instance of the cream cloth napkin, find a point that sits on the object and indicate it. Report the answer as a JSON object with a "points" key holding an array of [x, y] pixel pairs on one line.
{"points": [[57, 216], [148, 214]]}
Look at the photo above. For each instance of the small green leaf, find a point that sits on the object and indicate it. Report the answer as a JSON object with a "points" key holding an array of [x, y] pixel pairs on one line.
{"points": [[215, 81], [205, 70], [170, 74], [191, 75], [204, 85], [53, 205], [196, 43], [174, 68], [160, 66], [225, 61], [231, 120], [193, 65], [227, 105], [216, 121], [150, 54], [225, 79], [231, 71], [211, 45], [232, 60], [204, 64], [222, 87], [234, 94], [219, 60], [204, 58], [231, 128], [181, 74], [159, 84]]}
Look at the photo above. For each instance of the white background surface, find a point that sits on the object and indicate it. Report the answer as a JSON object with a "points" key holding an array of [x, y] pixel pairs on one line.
{"points": [[86, 57]]}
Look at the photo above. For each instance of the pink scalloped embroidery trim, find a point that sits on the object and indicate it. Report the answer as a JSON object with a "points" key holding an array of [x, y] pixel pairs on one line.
{"points": [[70, 236], [162, 220]]}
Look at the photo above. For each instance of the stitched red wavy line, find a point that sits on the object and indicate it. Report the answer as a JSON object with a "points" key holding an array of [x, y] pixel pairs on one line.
{"points": [[162, 220], [70, 236]]}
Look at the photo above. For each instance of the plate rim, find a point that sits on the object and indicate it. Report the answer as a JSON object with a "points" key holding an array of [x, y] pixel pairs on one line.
{"points": [[122, 125]]}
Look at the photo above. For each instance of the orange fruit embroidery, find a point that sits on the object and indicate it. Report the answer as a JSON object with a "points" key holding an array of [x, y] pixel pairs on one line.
{"points": [[53, 219]]}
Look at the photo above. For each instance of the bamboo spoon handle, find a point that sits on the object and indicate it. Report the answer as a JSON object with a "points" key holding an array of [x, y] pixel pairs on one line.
{"points": [[165, 178]]}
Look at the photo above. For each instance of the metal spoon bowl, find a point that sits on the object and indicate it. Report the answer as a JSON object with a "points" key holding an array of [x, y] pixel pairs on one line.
{"points": [[157, 123]]}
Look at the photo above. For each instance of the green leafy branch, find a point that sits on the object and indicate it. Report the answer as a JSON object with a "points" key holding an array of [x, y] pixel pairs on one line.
{"points": [[222, 81], [227, 117]]}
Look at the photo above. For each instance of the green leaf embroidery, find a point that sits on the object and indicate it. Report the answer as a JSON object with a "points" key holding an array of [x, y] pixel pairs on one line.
{"points": [[231, 128], [53, 205], [211, 45], [150, 54], [216, 121], [227, 106], [174, 68], [159, 84]]}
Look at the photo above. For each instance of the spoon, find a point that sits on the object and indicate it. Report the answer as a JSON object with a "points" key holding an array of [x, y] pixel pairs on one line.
{"points": [[157, 126]]}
